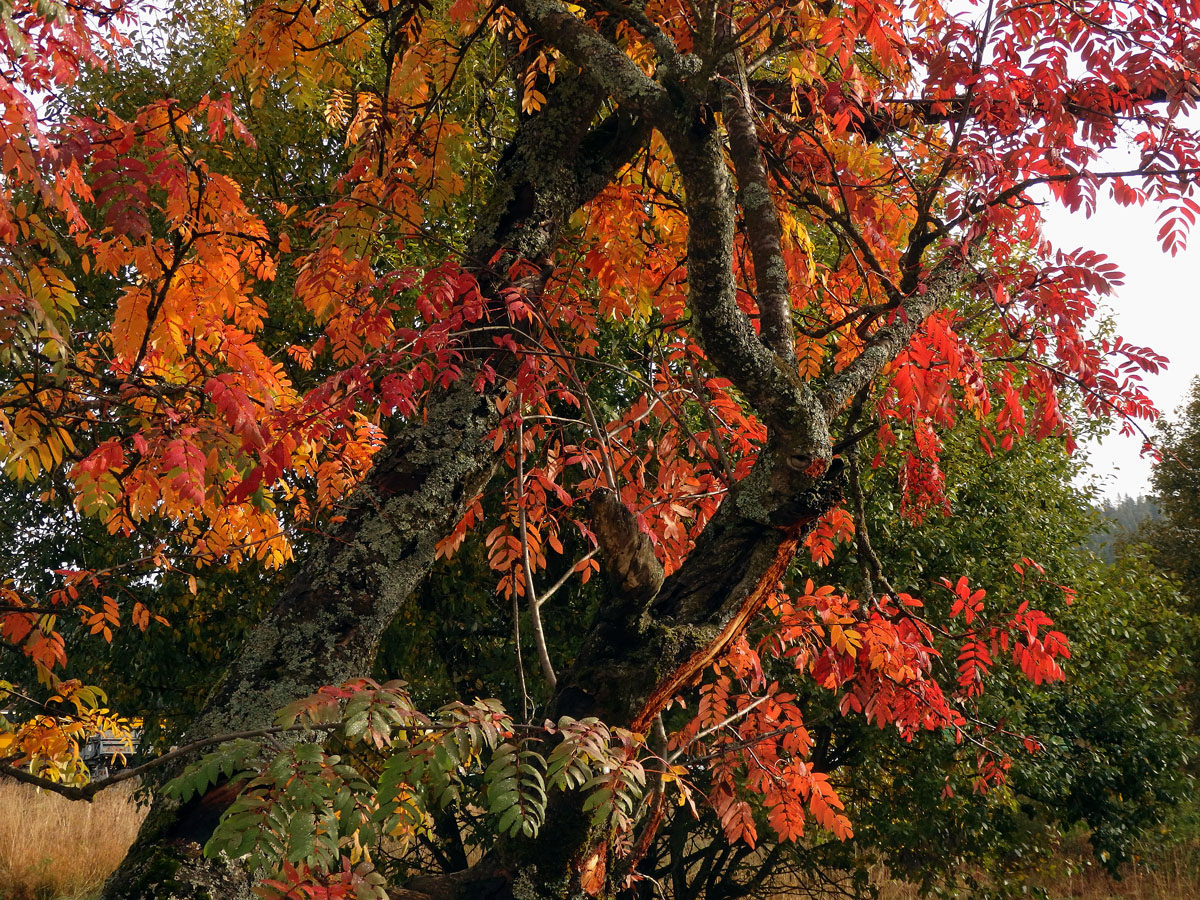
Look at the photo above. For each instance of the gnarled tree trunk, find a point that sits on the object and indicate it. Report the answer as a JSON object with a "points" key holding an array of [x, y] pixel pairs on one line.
{"points": [[328, 624]]}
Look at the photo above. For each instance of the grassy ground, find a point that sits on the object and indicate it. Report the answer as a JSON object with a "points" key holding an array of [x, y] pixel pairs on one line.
{"points": [[1173, 875], [54, 849]]}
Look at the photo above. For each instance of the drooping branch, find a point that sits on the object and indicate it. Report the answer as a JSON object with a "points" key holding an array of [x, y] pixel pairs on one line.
{"points": [[889, 116], [868, 560], [92, 788]]}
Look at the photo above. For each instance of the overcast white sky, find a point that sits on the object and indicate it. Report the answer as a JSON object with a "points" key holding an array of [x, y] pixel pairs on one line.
{"points": [[1157, 307]]}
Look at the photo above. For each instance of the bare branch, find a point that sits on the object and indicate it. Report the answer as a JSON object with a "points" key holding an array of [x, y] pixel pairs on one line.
{"points": [[88, 791], [535, 615], [554, 588], [728, 720]]}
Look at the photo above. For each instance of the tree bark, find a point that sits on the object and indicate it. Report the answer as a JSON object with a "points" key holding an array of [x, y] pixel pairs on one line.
{"points": [[645, 646]]}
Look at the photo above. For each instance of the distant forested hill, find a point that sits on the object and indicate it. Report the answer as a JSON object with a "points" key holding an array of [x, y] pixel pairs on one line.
{"points": [[1119, 521]]}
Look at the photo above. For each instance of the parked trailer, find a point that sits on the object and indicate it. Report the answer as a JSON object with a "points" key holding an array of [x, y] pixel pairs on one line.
{"points": [[105, 754]]}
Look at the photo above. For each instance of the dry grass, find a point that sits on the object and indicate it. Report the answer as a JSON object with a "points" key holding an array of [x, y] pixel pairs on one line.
{"points": [[1174, 874], [52, 848]]}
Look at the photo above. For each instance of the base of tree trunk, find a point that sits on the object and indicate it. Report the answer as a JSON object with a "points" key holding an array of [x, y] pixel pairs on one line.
{"points": [[177, 870]]}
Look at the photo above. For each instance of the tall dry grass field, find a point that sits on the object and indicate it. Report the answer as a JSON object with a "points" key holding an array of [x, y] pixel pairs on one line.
{"points": [[1173, 874], [52, 848]]}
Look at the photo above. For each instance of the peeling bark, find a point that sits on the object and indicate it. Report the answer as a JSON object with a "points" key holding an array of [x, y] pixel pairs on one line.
{"points": [[633, 571]]}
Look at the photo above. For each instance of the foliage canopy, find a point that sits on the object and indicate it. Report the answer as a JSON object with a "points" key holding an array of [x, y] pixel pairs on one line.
{"points": [[621, 303]]}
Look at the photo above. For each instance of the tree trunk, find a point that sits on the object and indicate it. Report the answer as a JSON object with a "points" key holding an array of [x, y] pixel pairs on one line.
{"points": [[645, 648], [327, 625]]}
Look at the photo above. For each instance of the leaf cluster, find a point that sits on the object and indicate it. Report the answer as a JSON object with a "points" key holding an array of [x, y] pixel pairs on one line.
{"points": [[301, 805]]}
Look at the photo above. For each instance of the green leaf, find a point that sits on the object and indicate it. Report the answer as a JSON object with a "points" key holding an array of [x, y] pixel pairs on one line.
{"points": [[301, 835]]}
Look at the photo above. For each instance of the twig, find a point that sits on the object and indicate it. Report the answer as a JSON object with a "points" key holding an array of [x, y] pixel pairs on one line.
{"points": [[726, 471], [872, 568], [516, 611], [535, 615], [728, 720], [554, 588]]}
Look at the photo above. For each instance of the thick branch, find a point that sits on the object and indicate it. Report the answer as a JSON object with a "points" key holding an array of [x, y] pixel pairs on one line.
{"points": [[632, 663], [770, 383], [763, 230], [603, 60], [882, 347], [663, 45]]}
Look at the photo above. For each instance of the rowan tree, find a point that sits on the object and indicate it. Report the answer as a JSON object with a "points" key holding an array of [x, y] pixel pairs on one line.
{"points": [[621, 288]]}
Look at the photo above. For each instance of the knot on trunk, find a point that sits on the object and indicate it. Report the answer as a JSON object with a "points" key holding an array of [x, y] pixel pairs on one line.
{"points": [[633, 571]]}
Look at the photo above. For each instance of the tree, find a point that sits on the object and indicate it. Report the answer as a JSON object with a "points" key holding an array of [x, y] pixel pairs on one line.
{"points": [[164, 673], [676, 260], [1168, 540], [1177, 495]]}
